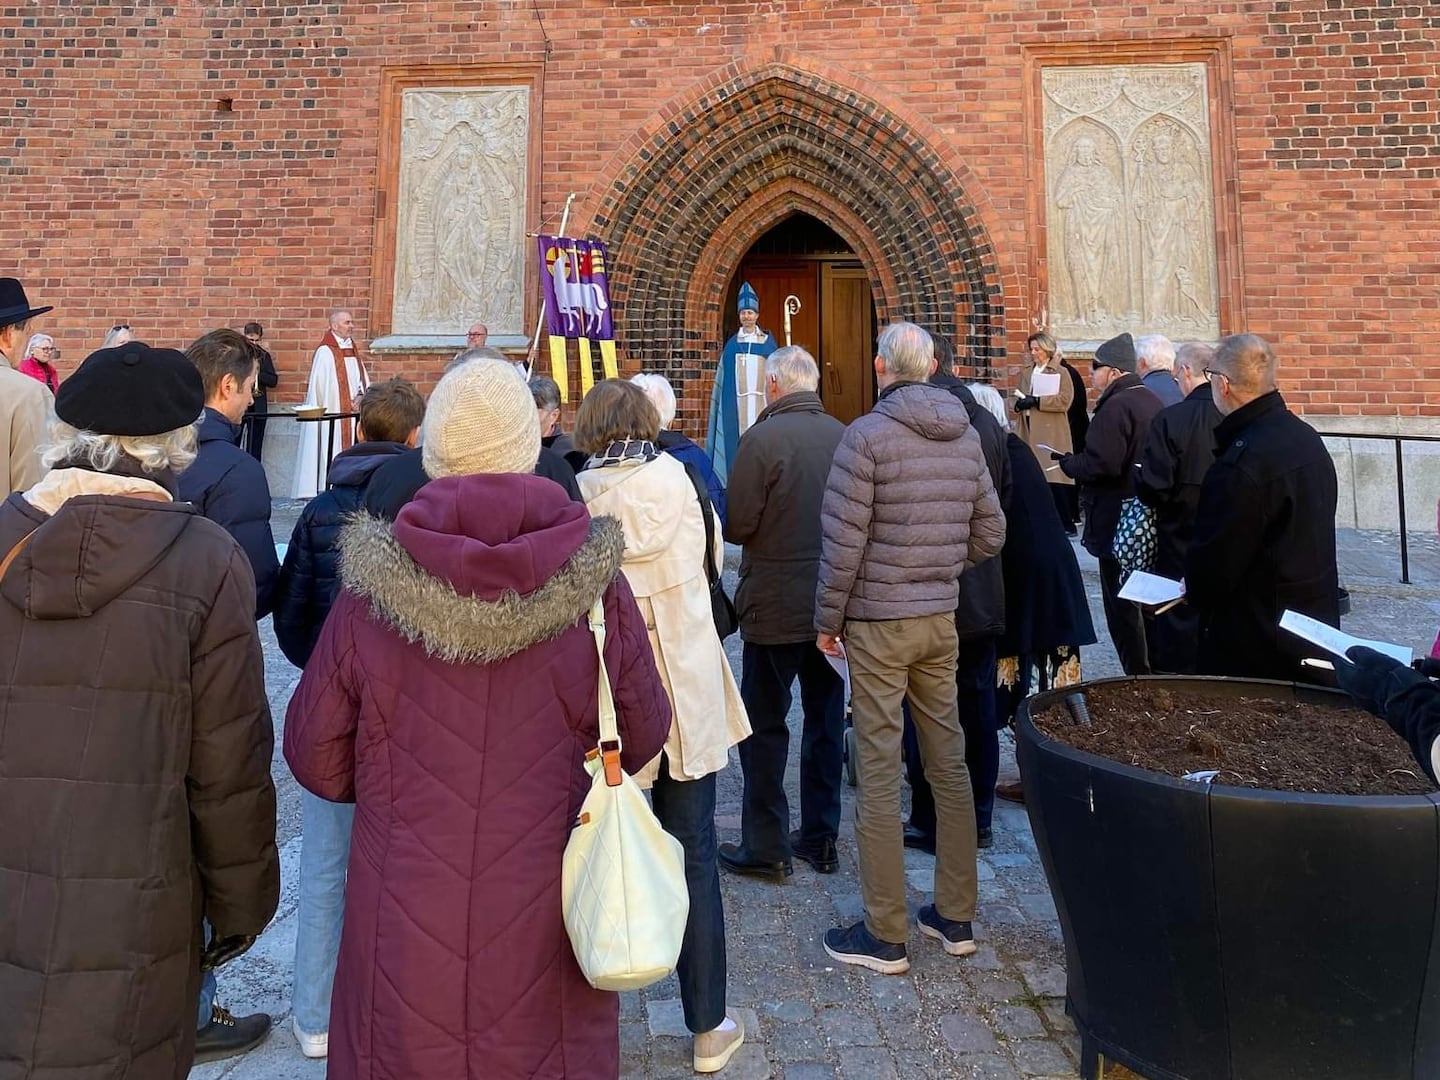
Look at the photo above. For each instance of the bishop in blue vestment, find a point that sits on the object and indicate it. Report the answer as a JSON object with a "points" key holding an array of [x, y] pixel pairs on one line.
{"points": [[739, 393]]}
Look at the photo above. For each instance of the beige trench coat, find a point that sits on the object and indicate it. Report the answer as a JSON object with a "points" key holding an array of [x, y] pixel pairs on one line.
{"points": [[656, 505], [1049, 423]]}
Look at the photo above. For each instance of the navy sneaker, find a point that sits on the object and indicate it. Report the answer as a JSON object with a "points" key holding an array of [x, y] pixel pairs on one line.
{"points": [[856, 945], [955, 936]]}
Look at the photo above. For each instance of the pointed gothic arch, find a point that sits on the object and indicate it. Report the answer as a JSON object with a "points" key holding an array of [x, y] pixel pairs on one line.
{"points": [[690, 193]]}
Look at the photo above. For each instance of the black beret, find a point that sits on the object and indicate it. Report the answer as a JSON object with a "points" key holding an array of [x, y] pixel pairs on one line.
{"points": [[1118, 352], [132, 389]]}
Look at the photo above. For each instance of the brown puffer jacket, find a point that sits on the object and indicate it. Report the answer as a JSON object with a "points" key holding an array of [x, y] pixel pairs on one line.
{"points": [[908, 507], [135, 792]]}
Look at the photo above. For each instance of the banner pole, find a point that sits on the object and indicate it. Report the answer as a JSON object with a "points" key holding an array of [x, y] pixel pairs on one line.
{"points": [[540, 321]]}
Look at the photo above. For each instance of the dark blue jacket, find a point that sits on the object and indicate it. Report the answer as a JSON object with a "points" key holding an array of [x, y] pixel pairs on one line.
{"points": [[228, 486], [310, 578], [681, 448]]}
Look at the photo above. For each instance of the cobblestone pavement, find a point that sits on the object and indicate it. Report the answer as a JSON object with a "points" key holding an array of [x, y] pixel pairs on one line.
{"points": [[996, 1015]]}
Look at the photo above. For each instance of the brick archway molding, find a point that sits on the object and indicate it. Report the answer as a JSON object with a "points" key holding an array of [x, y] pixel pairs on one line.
{"points": [[691, 192]]}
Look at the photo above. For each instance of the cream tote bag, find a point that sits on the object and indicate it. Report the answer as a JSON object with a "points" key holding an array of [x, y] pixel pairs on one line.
{"points": [[623, 881]]}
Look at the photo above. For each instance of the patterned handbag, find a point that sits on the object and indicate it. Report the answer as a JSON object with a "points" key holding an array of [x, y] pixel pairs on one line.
{"points": [[1136, 537]]}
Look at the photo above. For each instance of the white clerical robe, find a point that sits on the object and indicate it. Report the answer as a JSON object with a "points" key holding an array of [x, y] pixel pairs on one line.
{"points": [[750, 379], [324, 390]]}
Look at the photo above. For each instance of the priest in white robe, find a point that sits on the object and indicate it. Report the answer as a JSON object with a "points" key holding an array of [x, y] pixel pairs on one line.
{"points": [[337, 379]]}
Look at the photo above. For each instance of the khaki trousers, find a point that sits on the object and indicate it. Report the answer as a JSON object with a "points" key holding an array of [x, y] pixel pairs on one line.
{"points": [[888, 662]]}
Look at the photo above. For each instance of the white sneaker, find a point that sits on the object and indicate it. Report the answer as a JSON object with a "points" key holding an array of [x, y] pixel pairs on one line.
{"points": [[312, 1046]]}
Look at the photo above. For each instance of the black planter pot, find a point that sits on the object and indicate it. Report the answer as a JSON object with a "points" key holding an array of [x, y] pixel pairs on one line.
{"points": [[1216, 932]]}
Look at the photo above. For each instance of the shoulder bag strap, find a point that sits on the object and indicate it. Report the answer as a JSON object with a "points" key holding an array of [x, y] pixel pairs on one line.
{"points": [[698, 483], [14, 551], [609, 746]]}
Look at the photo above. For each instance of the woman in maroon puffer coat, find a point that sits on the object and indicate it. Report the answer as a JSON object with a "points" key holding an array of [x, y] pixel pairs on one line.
{"points": [[452, 697]]}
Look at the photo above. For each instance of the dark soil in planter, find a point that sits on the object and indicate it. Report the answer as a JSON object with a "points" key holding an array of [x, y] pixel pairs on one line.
{"points": [[1254, 742]]}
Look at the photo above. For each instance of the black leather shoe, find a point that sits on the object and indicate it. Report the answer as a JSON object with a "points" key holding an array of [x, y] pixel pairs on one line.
{"points": [[738, 861], [919, 840], [227, 1036], [984, 838], [822, 857]]}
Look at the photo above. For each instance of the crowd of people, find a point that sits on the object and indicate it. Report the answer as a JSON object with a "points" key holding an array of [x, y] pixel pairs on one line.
{"points": [[435, 595]]}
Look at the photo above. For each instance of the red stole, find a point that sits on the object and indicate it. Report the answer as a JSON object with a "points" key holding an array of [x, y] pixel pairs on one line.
{"points": [[342, 382]]}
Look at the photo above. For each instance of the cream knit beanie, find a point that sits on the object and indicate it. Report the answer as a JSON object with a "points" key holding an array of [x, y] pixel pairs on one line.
{"points": [[480, 419]]}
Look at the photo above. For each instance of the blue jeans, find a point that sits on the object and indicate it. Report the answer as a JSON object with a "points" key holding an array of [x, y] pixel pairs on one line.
{"points": [[686, 809], [324, 854], [765, 682], [207, 994]]}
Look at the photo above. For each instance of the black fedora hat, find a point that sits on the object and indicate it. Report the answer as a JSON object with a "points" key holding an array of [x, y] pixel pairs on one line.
{"points": [[13, 305]]}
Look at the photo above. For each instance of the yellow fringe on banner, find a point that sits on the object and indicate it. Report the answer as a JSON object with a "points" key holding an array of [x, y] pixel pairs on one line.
{"points": [[607, 358], [587, 371], [557, 368]]}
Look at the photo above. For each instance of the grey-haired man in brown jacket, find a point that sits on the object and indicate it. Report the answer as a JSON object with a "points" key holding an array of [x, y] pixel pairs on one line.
{"points": [[909, 507]]}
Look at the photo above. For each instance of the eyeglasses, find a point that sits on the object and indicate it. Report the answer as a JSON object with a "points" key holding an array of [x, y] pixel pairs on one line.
{"points": [[120, 326], [1210, 373], [44, 348]]}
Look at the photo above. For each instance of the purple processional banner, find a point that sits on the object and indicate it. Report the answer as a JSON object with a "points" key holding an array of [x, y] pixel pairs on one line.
{"points": [[577, 294]]}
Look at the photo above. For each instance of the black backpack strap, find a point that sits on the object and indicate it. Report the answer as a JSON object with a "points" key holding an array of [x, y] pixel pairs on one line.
{"points": [[698, 483]]}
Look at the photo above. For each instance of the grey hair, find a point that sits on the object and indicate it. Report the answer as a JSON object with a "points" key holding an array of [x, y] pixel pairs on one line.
{"points": [[1249, 363], [907, 351], [545, 392], [661, 394], [1157, 350], [1194, 357], [37, 339], [171, 450], [480, 352], [117, 335], [335, 313], [793, 369], [990, 400]]}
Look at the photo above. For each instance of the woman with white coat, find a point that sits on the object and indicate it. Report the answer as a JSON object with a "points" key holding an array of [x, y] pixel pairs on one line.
{"points": [[655, 501]]}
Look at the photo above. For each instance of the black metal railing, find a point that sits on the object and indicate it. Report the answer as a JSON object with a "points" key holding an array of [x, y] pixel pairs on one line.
{"points": [[1399, 441]]}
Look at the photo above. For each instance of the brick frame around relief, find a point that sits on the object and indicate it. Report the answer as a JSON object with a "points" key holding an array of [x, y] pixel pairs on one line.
{"points": [[1215, 55]]}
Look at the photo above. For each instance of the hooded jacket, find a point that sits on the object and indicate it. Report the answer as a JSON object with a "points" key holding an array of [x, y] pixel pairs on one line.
{"points": [[655, 503], [909, 506], [228, 486], [452, 697], [135, 783], [776, 483], [310, 576]]}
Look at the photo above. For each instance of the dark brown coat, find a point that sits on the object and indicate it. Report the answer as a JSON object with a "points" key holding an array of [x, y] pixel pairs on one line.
{"points": [[135, 791], [776, 483]]}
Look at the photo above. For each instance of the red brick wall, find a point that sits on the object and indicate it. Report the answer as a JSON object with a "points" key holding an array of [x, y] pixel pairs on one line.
{"points": [[189, 165]]}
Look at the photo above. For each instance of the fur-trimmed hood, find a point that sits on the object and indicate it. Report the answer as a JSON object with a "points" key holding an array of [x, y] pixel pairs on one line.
{"points": [[436, 583]]}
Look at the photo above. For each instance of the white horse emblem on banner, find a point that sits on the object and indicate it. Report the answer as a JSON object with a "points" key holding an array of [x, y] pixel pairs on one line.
{"points": [[572, 298]]}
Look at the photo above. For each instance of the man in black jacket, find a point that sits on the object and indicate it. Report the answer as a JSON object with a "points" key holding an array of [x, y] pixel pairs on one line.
{"points": [[979, 621], [1106, 471], [269, 379], [1265, 527], [777, 482], [1173, 462], [226, 484]]}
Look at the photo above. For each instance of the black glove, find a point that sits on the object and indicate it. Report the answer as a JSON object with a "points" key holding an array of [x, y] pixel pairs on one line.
{"points": [[1366, 677], [221, 951], [1027, 403]]}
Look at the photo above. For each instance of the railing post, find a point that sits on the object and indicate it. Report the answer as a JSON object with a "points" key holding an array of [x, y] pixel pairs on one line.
{"points": [[1400, 494]]}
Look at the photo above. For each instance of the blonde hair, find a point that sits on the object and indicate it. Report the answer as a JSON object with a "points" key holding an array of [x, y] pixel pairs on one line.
{"points": [[172, 450]]}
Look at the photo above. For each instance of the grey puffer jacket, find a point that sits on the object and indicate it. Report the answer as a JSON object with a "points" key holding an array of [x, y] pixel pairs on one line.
{"points": [[908, 507]]}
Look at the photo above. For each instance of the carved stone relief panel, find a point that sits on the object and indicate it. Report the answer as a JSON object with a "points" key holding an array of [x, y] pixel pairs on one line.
{"points": [[460, 225], [1130, 209]]}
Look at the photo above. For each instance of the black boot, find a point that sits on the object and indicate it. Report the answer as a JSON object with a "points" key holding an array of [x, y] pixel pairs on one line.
{"points": [[739, 861], [227, 1036], [822, 857]]}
